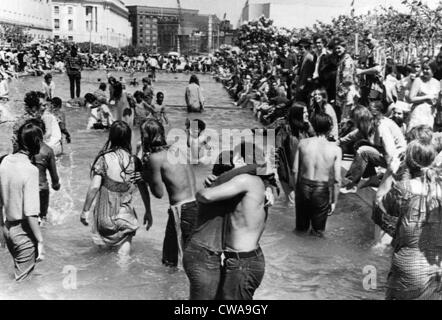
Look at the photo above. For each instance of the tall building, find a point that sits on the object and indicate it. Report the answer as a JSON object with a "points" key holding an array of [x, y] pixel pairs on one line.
{"points": [[97, 21], [33, 15], [157, 29]]}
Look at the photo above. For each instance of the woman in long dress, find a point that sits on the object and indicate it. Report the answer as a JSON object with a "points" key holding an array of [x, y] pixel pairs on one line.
{"points": [[114, 173], [424, 94]]}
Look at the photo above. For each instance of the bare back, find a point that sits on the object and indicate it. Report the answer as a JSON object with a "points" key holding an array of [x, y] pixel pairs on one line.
{"points": [[248, 220], [176, 173], [317, 158]]}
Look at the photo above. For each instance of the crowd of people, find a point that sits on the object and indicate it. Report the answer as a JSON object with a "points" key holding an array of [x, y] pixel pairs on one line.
{"points": [[383, 116]]}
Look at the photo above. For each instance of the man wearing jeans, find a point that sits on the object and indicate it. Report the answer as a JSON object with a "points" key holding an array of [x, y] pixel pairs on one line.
{"points": [[387, 143], [312, 171], [244, 262], [74, 65]]}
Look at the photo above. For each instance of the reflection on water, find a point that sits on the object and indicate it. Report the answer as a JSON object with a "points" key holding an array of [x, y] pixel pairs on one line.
{"points": [[297, 266]]}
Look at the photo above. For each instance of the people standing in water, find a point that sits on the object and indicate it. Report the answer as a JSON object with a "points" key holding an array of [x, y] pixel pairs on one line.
{"points": [[244, 224], [123, 111], [48, 86], [203, 261], [61, 117], [167, 165], [312, 171], [114, 221], [147, 90], [32, 111], [45, 162], [52, 136], [161, 109], [194, 97], [74, 66], [19, 202], [197, 141]]}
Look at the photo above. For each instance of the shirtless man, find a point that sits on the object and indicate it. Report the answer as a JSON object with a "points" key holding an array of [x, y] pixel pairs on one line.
{"points": [[179, 180], [244, 263], [312, 171]]}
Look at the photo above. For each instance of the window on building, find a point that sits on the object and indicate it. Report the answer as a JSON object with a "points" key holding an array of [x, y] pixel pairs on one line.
{"points": [[56, 23], [70, 10], [56, 37], [70, 38], [56, 10], [70, 25]]}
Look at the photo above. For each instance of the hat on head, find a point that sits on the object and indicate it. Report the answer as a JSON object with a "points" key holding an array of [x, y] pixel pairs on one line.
{"points": [[304, 42]]}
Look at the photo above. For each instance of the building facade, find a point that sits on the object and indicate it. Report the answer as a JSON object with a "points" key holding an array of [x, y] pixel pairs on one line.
{"points": [[96, 21], [159, 29], [34, 16]]}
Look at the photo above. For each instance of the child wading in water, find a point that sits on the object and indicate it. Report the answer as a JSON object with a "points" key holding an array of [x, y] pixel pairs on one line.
{"points": [[161, 109], [197, 141], [61, 118]]}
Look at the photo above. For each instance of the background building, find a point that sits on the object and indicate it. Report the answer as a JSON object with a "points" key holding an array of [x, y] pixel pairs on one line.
{"points": [[157, 29], [33, 15], [103, 22]]}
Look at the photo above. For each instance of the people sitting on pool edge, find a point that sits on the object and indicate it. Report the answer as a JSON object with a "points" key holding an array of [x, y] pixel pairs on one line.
{"points": [[100, 116]]}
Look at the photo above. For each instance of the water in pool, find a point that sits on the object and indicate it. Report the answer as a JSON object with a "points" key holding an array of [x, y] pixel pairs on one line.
{"points": [[297, 266]]}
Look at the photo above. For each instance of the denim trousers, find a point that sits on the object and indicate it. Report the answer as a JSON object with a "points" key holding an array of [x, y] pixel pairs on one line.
{"points": [[189, 212], [75, 85], [242, 276], [312, 205], [363, 166], [203, 269]]}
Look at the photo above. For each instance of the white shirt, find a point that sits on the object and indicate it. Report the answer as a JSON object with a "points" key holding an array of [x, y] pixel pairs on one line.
{"points": [[53, 133]]}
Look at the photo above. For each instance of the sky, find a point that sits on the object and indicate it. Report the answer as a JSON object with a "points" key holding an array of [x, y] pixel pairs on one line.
{"points": [[323, 10]]}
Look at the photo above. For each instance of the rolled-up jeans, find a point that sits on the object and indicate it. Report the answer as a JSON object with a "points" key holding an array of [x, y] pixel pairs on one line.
{"points": [[23, 248], [312, 204], [363, 166]]}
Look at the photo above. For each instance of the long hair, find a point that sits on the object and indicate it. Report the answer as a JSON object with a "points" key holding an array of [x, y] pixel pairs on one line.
{"points": [[30, 136], [120, 136], [320, 107], [419, 155], [363, 120], [153, 137], [296, 120], [118, 90], [194, 79], [419, 158]]}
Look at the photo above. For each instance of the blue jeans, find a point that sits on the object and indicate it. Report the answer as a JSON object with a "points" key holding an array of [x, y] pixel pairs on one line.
{"points": [[367, 158], [242, 275], [75, 84], [203, 268], [312, 205], [189, 212]]}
